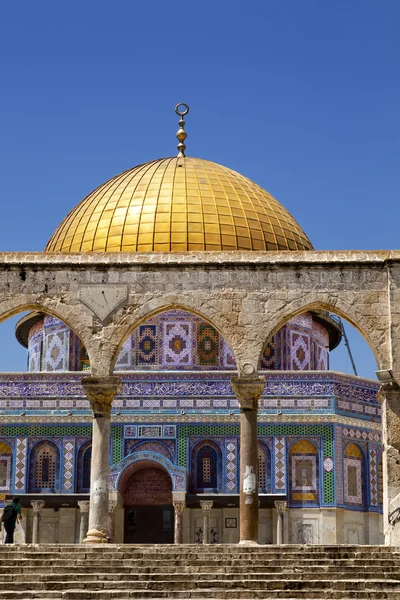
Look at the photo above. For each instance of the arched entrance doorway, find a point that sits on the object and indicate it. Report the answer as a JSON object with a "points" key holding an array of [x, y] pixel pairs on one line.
{"points": [[147, 492]]}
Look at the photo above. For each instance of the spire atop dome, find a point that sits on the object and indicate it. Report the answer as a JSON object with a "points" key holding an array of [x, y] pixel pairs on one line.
{"points": [[181, 133]]}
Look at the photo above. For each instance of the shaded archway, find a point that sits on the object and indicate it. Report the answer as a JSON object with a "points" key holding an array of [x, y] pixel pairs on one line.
{"points": [[146, 489], [175, 339]]}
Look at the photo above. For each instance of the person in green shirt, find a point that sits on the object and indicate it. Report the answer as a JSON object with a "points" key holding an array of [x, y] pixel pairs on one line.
{"points": [[11, 514]]}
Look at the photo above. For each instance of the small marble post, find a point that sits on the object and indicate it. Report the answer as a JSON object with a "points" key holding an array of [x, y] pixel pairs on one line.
{"points": [[111, 519], [247, 391], [179, 507], [281, 506], [206, 506], [84, 519], [37, 506], [101, 392]]}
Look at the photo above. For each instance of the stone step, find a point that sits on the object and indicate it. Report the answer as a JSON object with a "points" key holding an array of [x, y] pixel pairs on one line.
{"points": [[28, 580], [215, 584], [202, 594]]}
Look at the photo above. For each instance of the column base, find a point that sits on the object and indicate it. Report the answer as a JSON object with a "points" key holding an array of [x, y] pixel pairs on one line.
{"points": [[248, 543], [96, 536]]}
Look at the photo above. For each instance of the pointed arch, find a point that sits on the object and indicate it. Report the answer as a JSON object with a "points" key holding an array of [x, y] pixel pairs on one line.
{"points": [[373, 335], [175, 339], [161, 305]]}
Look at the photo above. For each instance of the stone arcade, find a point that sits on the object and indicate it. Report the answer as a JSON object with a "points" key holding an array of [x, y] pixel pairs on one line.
{"points": [[204, 316]]}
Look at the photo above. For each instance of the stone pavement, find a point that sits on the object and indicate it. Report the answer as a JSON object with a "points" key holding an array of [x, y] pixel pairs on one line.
{"points": [[71, 572]]}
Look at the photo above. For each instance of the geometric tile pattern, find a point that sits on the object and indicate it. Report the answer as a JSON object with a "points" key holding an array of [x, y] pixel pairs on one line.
{"points": [[124, 360], [68, 472], [268, 359], [21, 448], [300, 352], [177, 344], [373, 474], [231, 464], [57, 351], [280, 463], [147, 345], [207, 345]]}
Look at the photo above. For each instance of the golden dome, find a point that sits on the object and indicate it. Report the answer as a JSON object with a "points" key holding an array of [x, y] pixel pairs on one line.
{"points": [[178, 204]]}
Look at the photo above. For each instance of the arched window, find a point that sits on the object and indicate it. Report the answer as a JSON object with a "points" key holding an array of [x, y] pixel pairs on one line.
{"points": [[205, 466], [264, 462], [354, 479], [84, 463], [44, 467], [303, 473], [5, 467]]}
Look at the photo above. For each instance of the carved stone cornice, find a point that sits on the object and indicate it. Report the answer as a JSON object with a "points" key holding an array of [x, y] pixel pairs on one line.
{"points": [[248, 391], [101, 392]]}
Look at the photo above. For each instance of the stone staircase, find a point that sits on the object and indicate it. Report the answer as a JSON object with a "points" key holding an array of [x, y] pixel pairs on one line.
{"points": [[115, 572]]}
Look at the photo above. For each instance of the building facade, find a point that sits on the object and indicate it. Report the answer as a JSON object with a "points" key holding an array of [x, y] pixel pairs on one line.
{"points": [[176, 423]]}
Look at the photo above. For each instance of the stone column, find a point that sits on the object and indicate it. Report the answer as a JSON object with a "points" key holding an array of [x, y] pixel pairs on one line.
{"points": [[101, 392], [389, 396], [179, 507], [84, 519], [281, 506], [111, 519], [37, 506], [247, 392], [206, 506]]}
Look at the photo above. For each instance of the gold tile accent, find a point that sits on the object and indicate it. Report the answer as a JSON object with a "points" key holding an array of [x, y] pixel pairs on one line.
{"points": [[178, 204]]}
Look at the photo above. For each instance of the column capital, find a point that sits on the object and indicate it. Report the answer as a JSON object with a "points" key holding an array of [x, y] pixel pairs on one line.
{"points": [[101, 392], [112, 506], [206, 505], [280, 505], [37, 505], [247, 391], [179, 507], [84, 506]]}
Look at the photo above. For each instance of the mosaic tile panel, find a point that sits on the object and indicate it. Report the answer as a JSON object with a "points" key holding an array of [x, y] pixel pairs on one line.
{"points": [[158, 447], [56, 353], [373, 475], [280, 463], [228, 360], [21, 449], [147, 345], [207, 345], [231, 470], [300, 351], [124, 360], [269, 357], [68, 464], [177, 350]]}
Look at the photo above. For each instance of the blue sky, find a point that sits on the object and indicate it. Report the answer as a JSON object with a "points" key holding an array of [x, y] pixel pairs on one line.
{"points": [[301, 96]]}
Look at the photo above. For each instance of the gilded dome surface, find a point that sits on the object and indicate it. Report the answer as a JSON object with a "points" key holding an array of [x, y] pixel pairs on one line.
{"points": [[175, 205]]}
